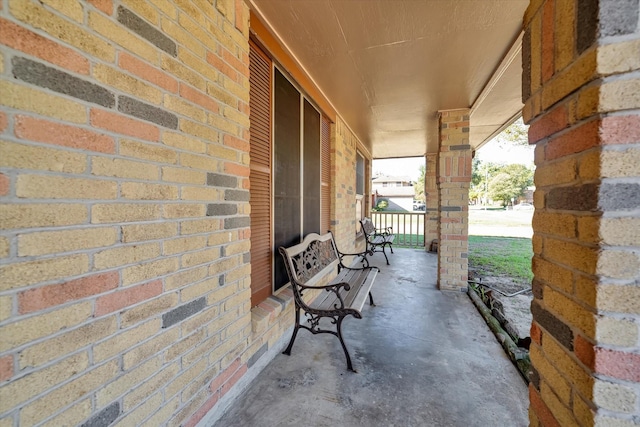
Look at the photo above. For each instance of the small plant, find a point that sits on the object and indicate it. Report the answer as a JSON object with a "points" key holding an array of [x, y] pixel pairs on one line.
{"points": [[381, 205]]}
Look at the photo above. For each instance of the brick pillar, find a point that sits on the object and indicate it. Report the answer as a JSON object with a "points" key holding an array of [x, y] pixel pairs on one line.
{"points": [[431, 200], [581, 92], [454, 177]]}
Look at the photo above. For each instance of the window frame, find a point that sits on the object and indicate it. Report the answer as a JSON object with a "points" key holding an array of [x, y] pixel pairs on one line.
{"points": [[264, 81], [276, 287]]}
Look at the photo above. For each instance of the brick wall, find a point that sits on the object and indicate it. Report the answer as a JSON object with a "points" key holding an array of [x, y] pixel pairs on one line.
{"points": [[580, 88], [343, 172], [453, 180], [124, 268]]}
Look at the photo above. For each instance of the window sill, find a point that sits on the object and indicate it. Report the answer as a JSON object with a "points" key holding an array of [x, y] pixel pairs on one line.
{"points": [[265, 314]]}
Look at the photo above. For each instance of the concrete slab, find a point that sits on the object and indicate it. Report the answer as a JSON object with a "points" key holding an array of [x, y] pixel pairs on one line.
{"points": [[424, 358]]}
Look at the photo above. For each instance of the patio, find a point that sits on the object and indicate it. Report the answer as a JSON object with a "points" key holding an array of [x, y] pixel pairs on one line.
{"points": [[424, 357]]}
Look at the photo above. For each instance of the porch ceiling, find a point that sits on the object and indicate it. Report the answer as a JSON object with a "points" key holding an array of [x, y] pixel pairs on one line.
{"points": [[388, 66]]}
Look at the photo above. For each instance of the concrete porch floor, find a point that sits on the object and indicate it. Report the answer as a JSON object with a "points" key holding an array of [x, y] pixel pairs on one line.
{"points": [[424, 358]]}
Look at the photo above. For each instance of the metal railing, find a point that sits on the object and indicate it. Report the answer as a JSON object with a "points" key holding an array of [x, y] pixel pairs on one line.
{"points": [[407, 226]]}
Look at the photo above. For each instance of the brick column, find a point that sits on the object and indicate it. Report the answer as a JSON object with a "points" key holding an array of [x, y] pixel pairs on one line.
{"points": [[431, 200], [453, 179], [581, 92]]}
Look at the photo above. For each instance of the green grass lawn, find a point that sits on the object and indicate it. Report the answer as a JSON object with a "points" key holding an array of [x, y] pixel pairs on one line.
{"points": [[409, 240], [502, 256], [500, 217]]}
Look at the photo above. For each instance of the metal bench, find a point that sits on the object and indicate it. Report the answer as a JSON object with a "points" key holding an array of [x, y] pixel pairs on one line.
{"points": [[377, 239], [310, 265]]}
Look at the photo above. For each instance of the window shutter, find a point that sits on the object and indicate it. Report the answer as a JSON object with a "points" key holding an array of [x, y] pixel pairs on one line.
{"points": [[260, 173], [325, 190]]}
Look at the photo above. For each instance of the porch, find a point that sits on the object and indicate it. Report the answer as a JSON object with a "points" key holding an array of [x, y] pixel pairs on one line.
{"points": [[147, 179], [424, 357]]}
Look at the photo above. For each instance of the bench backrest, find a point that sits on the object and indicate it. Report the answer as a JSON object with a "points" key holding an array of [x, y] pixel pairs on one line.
{"points": [[368, 227], [308, 261]]}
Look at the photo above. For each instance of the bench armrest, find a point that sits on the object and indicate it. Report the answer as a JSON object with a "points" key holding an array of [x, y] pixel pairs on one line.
{"points": [[333, 287], [384, 231], [366, 267], [341, 255]]}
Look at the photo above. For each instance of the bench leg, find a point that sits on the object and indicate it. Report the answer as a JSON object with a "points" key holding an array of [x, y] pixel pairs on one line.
{"points": [[293, 335], [391, 247], [344, 346], [385, 254], [371, 303]]}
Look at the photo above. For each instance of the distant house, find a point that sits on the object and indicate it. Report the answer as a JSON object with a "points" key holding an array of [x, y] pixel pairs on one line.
{"points": [[397, 190], [527, 195]]}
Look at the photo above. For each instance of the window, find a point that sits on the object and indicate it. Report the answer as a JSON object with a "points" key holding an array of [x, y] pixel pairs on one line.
{"points": [[359, 174], [360, 201], [296, 170], [289, 183]]}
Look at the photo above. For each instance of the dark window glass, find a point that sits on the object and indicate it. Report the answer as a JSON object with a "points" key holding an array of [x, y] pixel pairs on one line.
{"points": [[360, 174], [286, 171], [296, 173]]}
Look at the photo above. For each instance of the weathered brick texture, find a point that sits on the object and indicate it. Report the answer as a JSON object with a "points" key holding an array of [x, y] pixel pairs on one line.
{"points": [[581, 100], [343, 172], [124, 234], [453, 180]]}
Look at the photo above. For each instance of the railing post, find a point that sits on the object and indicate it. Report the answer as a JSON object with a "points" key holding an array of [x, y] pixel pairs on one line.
{"points": [[407, 226]]}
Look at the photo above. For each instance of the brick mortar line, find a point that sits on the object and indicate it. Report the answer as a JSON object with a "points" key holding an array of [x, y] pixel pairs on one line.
{"points": [[626, 76], [119, 92], [85, 26], [96, 250], [44, 34], [571, 156], [9, 136], [76, 376], [13, 199], [238, 333], [91, 320], [619, 148], [632, 112], [21, 83], [93, 251]]}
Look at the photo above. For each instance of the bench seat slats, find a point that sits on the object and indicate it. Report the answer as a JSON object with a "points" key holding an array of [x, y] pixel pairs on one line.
{"points": [[378, 240], [360, 282], [363, 293]]}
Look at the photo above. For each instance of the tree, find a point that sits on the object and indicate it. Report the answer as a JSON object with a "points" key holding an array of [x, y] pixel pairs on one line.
{"points": [[481, 174], [419, 185], [516, 134], [476, 173], [381, 205], [510, 182]]}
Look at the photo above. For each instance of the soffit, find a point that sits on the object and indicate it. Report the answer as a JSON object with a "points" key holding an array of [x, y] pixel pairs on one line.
{"points": [[388, 66]]}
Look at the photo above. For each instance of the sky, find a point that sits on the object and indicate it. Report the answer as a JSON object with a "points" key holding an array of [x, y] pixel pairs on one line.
{"points": [[493, 151], [501, 150], [502, 153], [408, 166]]}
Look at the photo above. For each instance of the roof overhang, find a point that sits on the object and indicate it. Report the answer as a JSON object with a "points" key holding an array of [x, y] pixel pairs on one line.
{"points": [[387, 67]]}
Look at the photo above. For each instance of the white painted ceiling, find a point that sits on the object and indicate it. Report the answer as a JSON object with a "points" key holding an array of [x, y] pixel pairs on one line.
{"points": [[388, 66]]}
